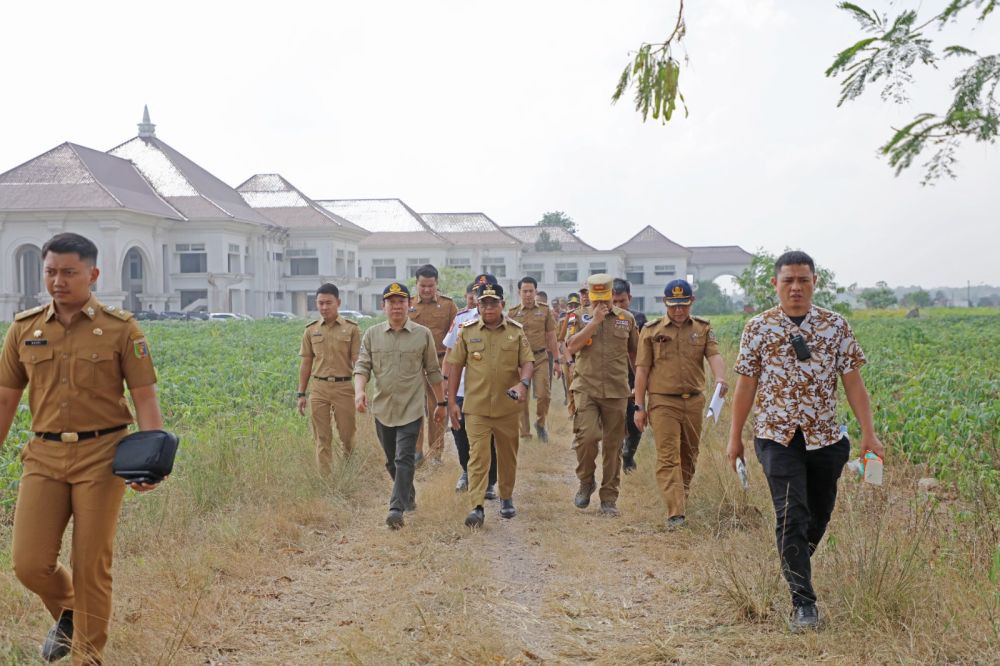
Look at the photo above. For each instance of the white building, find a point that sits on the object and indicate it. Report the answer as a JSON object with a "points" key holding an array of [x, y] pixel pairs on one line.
{"points": [[172, 236]]}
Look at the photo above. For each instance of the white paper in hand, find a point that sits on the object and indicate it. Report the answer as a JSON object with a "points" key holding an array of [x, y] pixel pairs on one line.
{"points": [[715, 406], [741, 471]]}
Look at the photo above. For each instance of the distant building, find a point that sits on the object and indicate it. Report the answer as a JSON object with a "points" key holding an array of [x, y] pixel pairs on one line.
{"points": [[172, 236]]}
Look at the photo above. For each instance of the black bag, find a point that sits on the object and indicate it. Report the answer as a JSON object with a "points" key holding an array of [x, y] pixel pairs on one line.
{"points": [[146, 456]]}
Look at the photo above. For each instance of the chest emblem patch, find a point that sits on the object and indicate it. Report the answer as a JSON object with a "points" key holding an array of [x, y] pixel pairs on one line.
{"points": [[98, 331]]}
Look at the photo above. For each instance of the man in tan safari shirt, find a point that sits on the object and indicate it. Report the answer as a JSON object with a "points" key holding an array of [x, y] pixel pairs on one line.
{"points": [[73, 355], [329, 350], [539, 326]]}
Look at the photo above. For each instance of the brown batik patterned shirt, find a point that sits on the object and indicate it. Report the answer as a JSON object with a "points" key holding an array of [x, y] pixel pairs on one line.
{"points": [[797, 394]]}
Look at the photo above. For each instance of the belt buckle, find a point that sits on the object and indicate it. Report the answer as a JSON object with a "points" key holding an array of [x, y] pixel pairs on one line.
{"points": [[685, 395], [69, 437]]}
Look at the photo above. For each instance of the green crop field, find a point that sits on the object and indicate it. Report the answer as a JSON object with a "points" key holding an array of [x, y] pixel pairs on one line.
{"points": [[935, 385]]}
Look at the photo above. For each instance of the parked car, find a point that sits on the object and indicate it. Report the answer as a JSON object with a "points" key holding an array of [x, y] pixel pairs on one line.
{"points": [[286, 316], [148, 315], [175, 316], [244, 317], [354, 314], [199, 315], [222, 316]]}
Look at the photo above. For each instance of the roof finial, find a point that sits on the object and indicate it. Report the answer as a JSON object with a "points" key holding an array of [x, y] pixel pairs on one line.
{"points": [[146, 128]]}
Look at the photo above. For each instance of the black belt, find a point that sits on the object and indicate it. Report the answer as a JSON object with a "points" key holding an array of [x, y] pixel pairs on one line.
{"points": [[681, 395], [537, 351], [332, 379], [70, 437]]}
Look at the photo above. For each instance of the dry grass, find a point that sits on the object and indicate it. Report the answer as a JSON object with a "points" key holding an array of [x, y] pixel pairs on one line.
{"points": [[280, 568]]}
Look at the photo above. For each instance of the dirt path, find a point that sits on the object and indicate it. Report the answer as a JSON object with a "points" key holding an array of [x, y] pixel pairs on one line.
{"points": [[553, 585]]}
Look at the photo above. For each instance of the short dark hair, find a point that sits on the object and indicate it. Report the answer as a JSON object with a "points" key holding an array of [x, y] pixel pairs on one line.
{"points": [[794, 258], [470, 288], [427, 271], [70, 243], [543, 294], [329, 288], [530, 280], [621, 286]]}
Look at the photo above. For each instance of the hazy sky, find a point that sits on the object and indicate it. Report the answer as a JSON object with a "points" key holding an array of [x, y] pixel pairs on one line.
{"points": [[504, 108]]}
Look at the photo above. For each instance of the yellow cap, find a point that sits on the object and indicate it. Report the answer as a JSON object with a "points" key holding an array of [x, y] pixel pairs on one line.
{"points": [[599, 286]]}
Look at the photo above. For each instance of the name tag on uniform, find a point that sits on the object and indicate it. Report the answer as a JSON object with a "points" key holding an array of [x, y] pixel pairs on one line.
{"points": [[35, 343], [475, 340], [622, 323]]}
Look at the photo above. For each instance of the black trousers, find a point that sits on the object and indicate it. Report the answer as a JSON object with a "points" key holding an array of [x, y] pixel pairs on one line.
{"points": [[400, 444], [632, 433], [804, 490], [462, 445]]}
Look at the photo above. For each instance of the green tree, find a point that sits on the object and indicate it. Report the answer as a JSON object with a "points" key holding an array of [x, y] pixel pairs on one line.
{"points": [[886, 57], [451, 282], [709, 300], [878, 297], [917, 299], [546, 243], [557, 218], [755, 282]]}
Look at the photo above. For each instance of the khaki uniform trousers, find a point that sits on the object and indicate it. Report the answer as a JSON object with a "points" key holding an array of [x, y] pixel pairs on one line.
{"points": [[597, 420], [543, 394], [59, 481], [329, 402], [676, 424], [504, 432], [570, 403], [435, 431]]}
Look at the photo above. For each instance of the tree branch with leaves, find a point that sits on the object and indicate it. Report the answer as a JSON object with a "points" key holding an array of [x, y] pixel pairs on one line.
{"points": [[654, 73], [887, 57]]}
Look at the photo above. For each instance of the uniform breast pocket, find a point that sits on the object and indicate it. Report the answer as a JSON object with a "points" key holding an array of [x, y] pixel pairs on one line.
{"points": [[475, 352], [38, 364], [665, 349], [411, 363], [509, 351], [96, 368], [695, 348]]}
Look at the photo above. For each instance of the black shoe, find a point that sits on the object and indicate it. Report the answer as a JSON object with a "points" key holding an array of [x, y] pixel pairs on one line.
{"points": [[628, 464], [475, 517], [59, 640], [804, 617], [610, 509], [673, 522], [582, 499], [507, 508], [395, 519], [543, 434], [463, 482], [491, 491]]}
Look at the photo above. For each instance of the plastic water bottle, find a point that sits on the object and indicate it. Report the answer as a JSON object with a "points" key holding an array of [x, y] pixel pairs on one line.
{"points": [[741, 471], [857, 467]]}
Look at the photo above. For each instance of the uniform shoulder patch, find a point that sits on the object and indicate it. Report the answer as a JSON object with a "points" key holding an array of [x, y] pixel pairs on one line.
{"points": [[314, 321], [700, 320], [27, 313], [515, 322], [462, 311], [124, 315], [347, 320], [446, 297], [470, 322], [652, 322]]}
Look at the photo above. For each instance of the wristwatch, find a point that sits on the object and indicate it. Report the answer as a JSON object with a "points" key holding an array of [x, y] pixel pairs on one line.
{"points": [[526, 382], [638, 407], [443, 403], [300, 394]]}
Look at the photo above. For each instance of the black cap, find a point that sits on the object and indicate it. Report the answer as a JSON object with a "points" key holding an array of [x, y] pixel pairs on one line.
{"points": [[395, 289]]}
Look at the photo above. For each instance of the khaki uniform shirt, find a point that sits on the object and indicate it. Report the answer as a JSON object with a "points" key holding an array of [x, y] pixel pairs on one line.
{"points": [[537, 322], [400, 360], [675, 355], [792, 393], [437, 315], [602, 364], [332, 347], [74, 375], [492, 360]]}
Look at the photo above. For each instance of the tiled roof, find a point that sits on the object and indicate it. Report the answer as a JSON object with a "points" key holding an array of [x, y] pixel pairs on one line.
{"points": [[285, 205], [73, 177], [651, 241], [469, 229], [567, 240], [185, 185], [378, 215], [391, 240], [719, 254]]}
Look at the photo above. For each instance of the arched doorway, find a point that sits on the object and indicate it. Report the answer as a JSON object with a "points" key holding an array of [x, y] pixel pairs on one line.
{"points": [[29, 276], [133, 279]]}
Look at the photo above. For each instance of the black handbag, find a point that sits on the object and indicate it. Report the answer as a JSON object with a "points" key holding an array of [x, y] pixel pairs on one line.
{"points": [[146, 456]]}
